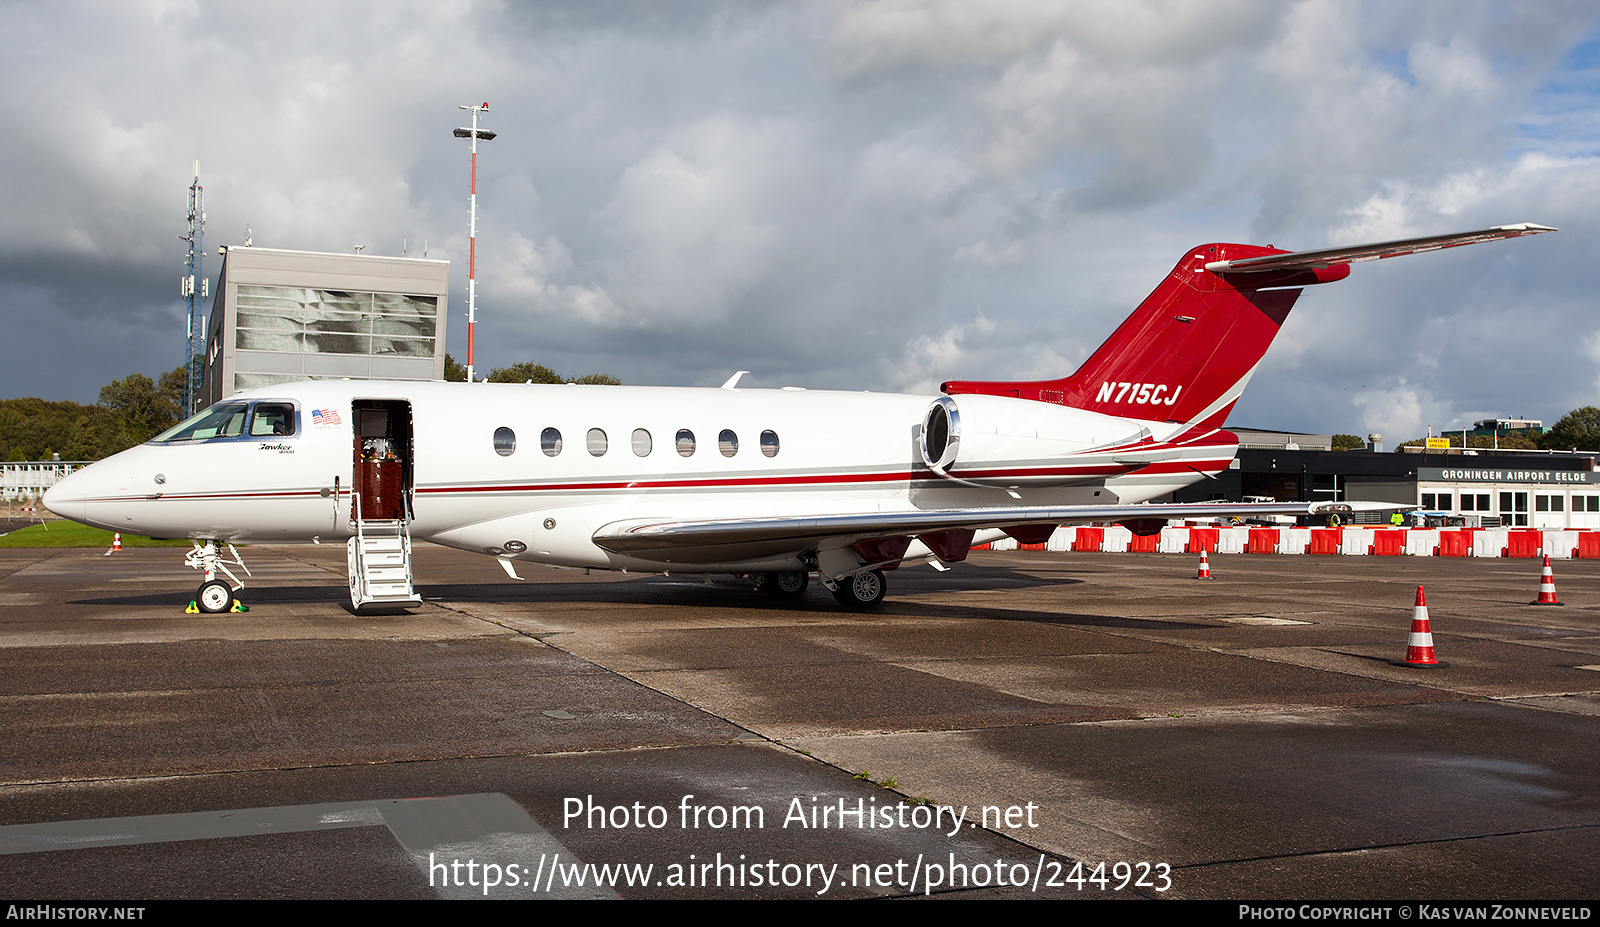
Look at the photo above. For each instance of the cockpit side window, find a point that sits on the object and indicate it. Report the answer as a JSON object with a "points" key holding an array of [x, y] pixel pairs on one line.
{"points": [[225, 420], [272, 420], [235, 420]]}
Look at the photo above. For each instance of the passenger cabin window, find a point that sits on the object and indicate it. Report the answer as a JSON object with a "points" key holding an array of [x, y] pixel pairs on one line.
{"points": [[550, 442], [685, 443], [769, 443], [597, 442], [505, 441], [272, 420], [641, 442], [728, 443]]}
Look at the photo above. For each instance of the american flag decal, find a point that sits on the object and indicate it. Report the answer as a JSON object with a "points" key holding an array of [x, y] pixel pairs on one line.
{"points": [[324, 417]]}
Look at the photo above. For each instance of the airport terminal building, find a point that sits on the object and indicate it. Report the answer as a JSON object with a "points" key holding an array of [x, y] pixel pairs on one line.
{"points": [[1512, 489], [281, 316]]}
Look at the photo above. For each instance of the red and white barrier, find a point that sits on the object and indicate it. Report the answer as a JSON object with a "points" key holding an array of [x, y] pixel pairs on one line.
{"points": [[1232, 540], [1421, 542], [1348, 540], [1559, 544], [1355, 542], [1294, 540], [1489, 542]]}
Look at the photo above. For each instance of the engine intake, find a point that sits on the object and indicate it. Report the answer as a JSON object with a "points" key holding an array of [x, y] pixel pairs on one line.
{"points": [[1007, 442], [941, 435]]}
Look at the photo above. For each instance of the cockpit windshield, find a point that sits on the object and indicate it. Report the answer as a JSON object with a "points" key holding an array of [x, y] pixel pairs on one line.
{"points": [[228, 420]]}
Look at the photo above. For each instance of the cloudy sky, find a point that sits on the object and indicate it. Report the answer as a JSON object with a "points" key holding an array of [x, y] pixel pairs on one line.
{"points": [[871, 195]]}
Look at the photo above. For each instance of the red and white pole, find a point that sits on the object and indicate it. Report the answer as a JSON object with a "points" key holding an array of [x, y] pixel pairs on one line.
{"points": [[473, 133]]}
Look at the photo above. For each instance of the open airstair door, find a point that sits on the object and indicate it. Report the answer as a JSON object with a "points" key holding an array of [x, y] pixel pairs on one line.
{"points": [[379, 554]]}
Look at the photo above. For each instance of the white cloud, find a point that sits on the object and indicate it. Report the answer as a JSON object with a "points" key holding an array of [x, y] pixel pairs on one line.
{"points": [[827, 192], [694, 218], [1396, 411], [929, 359]]}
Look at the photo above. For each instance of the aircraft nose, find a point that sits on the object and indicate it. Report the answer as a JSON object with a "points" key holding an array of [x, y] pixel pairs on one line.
{"points": [[64, 499]]}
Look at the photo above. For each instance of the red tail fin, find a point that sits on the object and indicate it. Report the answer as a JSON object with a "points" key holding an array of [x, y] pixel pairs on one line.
{"points": [[1187, 351]]}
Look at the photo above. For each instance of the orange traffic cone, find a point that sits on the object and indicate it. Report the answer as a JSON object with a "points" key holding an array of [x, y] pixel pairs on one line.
{"points": [[1419, 649], [116, 544], [1205, 567], [1547, 586]]}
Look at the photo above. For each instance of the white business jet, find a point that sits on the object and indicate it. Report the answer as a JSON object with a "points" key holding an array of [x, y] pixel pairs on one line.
{"points": [[775, 484]]}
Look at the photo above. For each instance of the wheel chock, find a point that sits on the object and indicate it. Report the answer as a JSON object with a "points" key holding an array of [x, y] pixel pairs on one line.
{"points": [[239, 606], [193, 609]]}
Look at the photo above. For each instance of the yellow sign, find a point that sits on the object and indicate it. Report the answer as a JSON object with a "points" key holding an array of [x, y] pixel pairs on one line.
{"points": [[1438, 442]]}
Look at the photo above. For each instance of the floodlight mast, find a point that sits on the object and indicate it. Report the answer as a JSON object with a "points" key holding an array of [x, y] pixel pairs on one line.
{"points": [[473, 133], [193, 288]]}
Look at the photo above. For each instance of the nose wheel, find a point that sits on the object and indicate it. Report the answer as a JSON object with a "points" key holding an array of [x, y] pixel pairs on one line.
{"points": [[214, 597]]}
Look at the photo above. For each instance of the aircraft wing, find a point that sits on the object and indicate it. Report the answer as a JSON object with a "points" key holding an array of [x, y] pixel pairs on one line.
{"points": [[1315, 260], [667, 540]]}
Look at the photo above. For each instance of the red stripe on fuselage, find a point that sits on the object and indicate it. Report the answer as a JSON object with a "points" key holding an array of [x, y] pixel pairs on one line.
{"points": [[819, 479]]}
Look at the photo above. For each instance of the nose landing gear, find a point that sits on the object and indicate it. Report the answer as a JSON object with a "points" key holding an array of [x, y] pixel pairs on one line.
{"points": [[214, 595]]}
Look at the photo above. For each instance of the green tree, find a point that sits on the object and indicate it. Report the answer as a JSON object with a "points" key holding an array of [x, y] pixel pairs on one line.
{"points": [[525, 372], [133, 398], [1579, 429], [1507, 442], [1510, 442], [169, 408], [31, 429], [1348, 443]]}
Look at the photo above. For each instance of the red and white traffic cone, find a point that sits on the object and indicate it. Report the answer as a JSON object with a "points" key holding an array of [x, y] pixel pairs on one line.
{"points": [[116, 544], [1205, 567], [1419, 648], [1547, 585]]}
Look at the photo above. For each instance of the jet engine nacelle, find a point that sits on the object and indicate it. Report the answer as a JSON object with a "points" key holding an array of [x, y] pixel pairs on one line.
{"points": [[1001, 441]]}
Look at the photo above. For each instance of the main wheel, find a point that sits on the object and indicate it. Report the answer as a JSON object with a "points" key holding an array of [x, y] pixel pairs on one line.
{"points": [[787, 585], [214, 597], [863, 590]]}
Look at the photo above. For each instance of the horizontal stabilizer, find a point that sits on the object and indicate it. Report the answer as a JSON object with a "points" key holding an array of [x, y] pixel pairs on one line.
{"points": [[1355, 254]]}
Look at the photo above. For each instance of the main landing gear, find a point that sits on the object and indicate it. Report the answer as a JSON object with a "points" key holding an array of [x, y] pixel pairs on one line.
{"points": [[858, 590], [790, 584], [862, 590], [214, 595]]}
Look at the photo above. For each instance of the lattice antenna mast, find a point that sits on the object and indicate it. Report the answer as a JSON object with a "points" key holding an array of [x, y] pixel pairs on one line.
{"points": [[194, 288], [473, 133]]}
